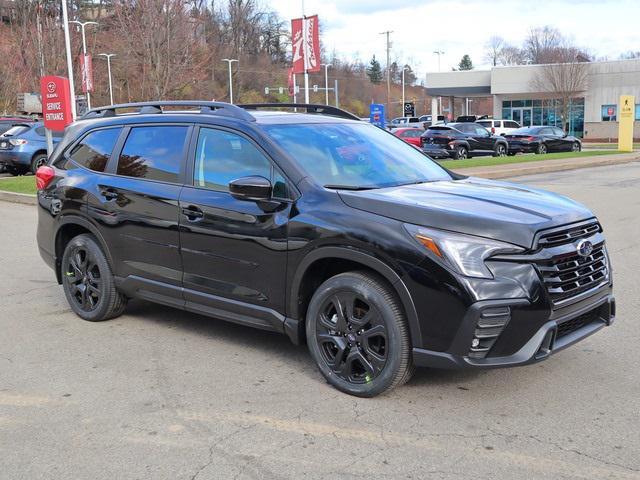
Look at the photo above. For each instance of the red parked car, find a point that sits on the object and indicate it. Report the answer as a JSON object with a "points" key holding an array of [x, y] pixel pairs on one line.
{"points": [[409, 135]]}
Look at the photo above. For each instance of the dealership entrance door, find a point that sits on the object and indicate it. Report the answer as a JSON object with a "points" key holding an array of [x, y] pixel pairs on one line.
{"points": [[522, 116]]}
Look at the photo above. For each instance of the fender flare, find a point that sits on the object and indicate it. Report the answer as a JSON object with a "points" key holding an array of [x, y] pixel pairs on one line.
{"points": [[82, 222], [369, 261]]}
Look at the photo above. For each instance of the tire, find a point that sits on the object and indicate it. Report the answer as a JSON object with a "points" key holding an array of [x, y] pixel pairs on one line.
{"points": [[576, 147], [542, 149], [88, 282], [38, 161], [358, 335], [500, 150], [461, 152]]}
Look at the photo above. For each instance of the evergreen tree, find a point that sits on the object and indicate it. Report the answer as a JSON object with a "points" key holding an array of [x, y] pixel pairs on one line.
{"points": [[465, 63], [374, 71]]}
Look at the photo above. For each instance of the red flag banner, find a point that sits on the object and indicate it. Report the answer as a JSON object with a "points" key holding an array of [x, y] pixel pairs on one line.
{"points": [[86, 70], [312, 44], [305, 38]]}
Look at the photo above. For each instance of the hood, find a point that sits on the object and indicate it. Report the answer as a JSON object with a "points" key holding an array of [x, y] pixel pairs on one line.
{"points": [[499, 210]]}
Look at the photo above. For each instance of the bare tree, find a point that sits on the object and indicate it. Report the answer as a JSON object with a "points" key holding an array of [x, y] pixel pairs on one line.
{"points": [[541, 44], [512, 55], [563, 81], [493, 49]]}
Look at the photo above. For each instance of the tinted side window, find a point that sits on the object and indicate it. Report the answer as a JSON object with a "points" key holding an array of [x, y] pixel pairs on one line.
{"points": [[223, 156], [94, 150], [154, 153], [40, 131], [558, 132], [512, 125], [481, 131]]}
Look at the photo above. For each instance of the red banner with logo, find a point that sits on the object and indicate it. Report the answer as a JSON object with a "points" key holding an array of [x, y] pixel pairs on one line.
{"points": [[56, 102], [86, 70], [305, 39]]}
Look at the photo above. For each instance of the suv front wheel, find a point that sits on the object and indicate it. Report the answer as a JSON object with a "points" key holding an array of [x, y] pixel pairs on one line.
{"points": [[88, 282], [358, 335]]}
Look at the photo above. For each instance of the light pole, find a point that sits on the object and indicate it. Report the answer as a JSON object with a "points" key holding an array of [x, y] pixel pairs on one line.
{"points": [[439, 53], [326, 82], [84, 52], [403, 70], [108, 57], [229, 62], [67, 45]]}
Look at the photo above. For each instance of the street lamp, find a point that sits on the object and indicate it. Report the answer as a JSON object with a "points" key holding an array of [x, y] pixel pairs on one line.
{"points": [[84, 52], [67, 46], [403, 70], [108, 57], [326, 82], [229, 62], [439, 53]]}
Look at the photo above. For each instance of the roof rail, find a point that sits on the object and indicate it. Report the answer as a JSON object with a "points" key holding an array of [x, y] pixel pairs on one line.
{"points": [[206, 108], [308, 107]]}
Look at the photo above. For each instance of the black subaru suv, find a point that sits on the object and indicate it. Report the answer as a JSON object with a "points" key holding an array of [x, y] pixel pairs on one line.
{"points": [[324, 228], [462, 140]]}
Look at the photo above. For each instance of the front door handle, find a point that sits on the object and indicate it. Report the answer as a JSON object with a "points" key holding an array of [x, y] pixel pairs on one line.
{"points": [[193, 213], [109, 194]]}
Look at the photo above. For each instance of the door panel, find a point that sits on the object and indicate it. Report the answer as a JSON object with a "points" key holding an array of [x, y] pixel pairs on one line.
{"points": [[234, 251]]}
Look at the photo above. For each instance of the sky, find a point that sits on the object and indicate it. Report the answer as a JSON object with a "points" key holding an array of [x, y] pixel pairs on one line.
{"points": [[606, 28]]}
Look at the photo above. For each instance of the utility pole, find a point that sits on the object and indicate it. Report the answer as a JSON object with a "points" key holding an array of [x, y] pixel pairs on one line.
{"points": [[387, 33], [67, 46], [229, 62], [84, 53], [108, 57], [326, 82], [404, 69]]}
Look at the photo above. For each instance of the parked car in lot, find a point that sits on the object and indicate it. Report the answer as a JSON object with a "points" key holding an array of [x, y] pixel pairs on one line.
{"points": [[409, 135], [23, 147], [321, 227], [462, 140], [499, 127], [542, 140], [403, 122]]}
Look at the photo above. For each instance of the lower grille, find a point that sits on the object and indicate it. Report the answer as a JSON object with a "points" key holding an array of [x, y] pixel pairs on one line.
{"points": [[574, 324], [566, 276]]}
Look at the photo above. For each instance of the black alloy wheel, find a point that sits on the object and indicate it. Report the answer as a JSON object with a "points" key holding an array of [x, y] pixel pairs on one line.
{"points": [[501, 150], [358, 335], [352, 337], [88, 282], [461, 152]]}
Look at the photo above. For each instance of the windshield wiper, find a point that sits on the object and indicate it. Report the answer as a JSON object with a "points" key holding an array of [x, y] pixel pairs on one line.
{"points": [[349, 187]]}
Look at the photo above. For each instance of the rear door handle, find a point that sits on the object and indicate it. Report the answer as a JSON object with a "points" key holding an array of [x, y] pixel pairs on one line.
{"points": [[193, 213]]}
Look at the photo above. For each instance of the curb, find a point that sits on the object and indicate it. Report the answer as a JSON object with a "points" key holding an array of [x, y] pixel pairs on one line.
{"points": [[532, 168], [22, 198]]}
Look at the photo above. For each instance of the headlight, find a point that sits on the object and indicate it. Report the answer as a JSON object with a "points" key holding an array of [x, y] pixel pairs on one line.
{"points": [[465, 254]]}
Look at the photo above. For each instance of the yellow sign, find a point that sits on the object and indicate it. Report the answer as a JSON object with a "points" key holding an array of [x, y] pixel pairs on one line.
{"points": [[627, 111]]}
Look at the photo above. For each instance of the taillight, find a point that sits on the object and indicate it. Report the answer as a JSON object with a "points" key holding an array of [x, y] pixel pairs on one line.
{"points": [[18, 141], [44, 175], [493, 130], [530, 139]]}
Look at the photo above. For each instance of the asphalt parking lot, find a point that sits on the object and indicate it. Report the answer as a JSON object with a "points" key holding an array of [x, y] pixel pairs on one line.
{"points": [[162, 394]]}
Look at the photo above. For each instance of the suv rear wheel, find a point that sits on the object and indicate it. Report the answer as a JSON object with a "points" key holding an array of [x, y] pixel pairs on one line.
{"points": [[500, 151], [88, 282], [358, 334]]}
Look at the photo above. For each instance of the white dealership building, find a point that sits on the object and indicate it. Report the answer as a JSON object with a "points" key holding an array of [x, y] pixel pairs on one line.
{"points": [[593, 113]]}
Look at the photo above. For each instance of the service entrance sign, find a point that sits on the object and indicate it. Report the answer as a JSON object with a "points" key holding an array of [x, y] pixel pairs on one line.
{"points": [[56, 102]]}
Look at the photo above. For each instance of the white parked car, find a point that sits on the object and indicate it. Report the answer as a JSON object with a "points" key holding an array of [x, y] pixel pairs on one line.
{"points": [[499, 127]]}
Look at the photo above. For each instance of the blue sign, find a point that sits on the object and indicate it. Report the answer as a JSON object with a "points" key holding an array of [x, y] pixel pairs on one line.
{"points": [[376, 115]]}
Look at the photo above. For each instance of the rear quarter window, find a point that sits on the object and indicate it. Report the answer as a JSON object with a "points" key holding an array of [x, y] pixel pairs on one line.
{"points": [[94, 150]]}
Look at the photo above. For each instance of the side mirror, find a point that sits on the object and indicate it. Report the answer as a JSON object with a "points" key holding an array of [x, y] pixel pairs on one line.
{"points": [[253, 188]]}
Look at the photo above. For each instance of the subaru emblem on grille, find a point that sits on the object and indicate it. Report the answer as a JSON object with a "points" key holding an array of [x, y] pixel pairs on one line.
{"points": [[584, 248]]}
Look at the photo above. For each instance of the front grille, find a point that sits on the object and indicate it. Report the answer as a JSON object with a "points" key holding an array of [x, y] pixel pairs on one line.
{"points": [[574, 324], [568, 235], [566, 276]]}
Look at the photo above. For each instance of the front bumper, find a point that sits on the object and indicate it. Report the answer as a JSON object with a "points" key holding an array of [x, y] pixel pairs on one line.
{"points": [[562, 329]]}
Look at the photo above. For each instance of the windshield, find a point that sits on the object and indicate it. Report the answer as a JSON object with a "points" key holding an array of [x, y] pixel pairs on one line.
{"points": [[355, 155]]}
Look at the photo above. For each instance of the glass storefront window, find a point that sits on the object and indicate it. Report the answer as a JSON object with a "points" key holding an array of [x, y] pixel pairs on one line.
{"points": [[517, 103], [506, 104], [537, 115], [506, 114], [548, 112], [537, 103], [637, 111]]}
